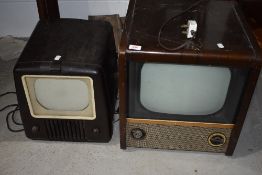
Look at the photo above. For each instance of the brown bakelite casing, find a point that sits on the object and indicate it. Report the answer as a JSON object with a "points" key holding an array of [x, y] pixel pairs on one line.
{"points": [[87, 49]]}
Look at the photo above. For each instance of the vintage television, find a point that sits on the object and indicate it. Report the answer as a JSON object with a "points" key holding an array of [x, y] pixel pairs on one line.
{"points": [[65, 81], [193, 97]]}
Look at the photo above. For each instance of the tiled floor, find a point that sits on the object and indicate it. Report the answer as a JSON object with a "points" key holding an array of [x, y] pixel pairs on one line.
{"points": [[22, 156]]}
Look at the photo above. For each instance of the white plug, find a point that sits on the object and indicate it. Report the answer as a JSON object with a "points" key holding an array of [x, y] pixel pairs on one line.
{"points": [[191, 29]]}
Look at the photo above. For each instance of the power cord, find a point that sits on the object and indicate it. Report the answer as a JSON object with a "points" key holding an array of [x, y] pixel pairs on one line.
{"points": [[11, 114], [7, 106], [187, 42], [6, 93]]}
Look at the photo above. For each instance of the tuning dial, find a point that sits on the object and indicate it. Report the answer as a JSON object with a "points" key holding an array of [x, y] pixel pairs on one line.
{"points": [[138, 133], [217, 139]]}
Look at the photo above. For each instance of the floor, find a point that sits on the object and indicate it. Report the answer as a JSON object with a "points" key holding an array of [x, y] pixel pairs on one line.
{"points": [[22, 156]]}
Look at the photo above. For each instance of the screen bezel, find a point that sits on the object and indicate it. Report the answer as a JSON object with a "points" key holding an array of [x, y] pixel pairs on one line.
{"points": [[224, 115], [89, 113]]}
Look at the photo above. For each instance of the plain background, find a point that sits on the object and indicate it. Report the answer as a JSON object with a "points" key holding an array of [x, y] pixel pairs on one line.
{"points": [[19, 17]]}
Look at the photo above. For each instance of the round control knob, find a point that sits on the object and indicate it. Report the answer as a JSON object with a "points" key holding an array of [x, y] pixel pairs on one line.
{"points": [[217, 139], [35, 129], [138, 133], [96, 131]]}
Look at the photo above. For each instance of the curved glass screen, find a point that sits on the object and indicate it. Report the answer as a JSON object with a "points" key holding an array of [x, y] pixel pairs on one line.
{"points": [[183, 89], [62, 97], [62, 94]]}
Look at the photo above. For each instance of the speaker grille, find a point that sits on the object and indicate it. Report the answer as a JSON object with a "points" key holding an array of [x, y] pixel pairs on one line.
{"points": [[175, 137], [66, 130]]}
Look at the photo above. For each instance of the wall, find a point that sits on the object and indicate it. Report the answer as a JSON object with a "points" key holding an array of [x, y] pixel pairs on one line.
{"points": [[18, 17]]}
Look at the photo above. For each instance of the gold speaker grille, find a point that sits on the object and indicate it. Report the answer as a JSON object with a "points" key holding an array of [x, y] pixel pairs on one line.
{"points": [[159, 136]]}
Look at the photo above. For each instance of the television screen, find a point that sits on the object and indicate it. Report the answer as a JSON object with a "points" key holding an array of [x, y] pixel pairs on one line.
{"points": [[64, 97], [199, 93], [183, 89]]}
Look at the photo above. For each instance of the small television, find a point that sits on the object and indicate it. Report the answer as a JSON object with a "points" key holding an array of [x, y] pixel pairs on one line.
{"points": [[194, 98], [66, 81]]}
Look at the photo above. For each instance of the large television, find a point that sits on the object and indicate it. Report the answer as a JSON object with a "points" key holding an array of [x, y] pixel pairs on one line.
{"points": [[191, 98], [66, 81]]}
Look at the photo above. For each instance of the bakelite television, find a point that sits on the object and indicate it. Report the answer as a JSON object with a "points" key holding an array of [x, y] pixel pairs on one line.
{"points": [[192, 98], [66, 81]]}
